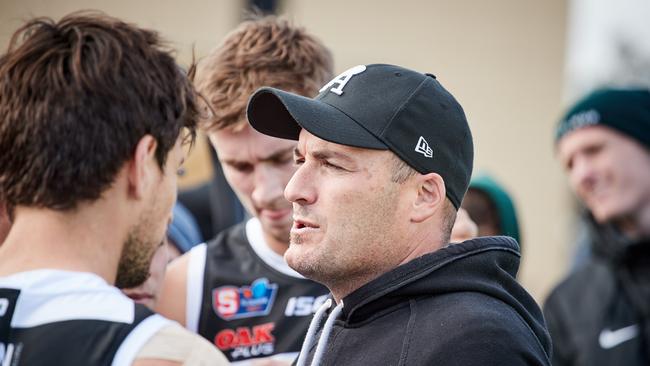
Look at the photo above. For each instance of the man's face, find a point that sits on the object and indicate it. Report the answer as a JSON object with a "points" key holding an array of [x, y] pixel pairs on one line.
{"points": [[148, 233], [610, 172], [348, 214], [258, 168], [147, 293]]}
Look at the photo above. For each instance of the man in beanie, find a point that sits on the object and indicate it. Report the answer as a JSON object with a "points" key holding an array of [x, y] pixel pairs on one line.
{"points": [[384, 157], [600, 315]]}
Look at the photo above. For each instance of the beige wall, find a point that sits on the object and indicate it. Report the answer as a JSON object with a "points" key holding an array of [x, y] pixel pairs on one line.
{"points": [[502, 59]]}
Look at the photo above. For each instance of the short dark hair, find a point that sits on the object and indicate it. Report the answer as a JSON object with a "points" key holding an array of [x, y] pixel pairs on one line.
{"points": [[401, 172], [76, 96]]}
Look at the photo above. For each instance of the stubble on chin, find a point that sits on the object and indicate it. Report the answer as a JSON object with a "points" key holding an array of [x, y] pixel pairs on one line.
{"points": [[135, 262], [296, 259]]}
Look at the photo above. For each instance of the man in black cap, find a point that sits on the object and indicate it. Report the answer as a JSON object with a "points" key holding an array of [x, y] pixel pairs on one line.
{"points": [[384, 158], [600, 315]]}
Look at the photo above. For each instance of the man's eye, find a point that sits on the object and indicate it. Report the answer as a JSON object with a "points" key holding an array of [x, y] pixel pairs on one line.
{"points": [[332, 166], [243, 167], [298, 161]]}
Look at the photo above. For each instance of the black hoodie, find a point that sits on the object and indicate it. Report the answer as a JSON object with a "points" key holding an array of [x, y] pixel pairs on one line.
{"points": [[460, 305], [600, 314]]}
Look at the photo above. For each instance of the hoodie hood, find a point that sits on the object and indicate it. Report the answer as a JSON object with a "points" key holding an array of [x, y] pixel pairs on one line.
{"points": [[486, 265], [504, 205]]}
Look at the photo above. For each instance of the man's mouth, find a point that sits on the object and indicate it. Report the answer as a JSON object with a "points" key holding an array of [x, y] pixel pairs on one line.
{"points": [[300, 224]]}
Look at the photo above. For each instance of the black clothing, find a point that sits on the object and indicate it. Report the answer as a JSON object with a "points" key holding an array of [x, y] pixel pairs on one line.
{"points": [[460, 305], [249, 307], [50, 317], [600, 314]]}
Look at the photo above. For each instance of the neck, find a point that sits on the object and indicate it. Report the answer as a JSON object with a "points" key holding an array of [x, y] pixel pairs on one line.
{"points": [[418, 241], [637, 226], [422, 242], [87, 239]]}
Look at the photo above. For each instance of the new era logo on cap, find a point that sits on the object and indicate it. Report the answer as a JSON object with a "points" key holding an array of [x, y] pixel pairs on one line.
{"points": [[423, 148]]}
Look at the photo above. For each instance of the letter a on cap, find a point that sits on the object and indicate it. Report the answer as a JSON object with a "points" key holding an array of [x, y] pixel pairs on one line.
{"points": [[343, 79]]}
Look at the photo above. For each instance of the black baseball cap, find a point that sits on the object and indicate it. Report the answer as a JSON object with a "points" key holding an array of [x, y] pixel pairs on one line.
{"points": [[382, 107]]}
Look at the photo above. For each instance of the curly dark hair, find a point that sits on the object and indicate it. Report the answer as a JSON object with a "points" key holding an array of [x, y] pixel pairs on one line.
{"points": [[76, 96], [261, 51]]}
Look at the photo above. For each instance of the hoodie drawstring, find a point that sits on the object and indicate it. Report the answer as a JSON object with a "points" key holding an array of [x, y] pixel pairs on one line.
{"points": [[313, 328]]}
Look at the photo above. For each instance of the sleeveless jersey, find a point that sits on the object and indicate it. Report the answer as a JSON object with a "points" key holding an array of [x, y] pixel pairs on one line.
{"points": [[245, 299], [54, 317]]}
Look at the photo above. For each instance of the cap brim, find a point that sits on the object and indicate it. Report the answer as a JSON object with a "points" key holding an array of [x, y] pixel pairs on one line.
{"points": [[281, 114]]}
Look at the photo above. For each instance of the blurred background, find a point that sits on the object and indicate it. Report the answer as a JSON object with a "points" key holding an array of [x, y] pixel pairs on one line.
{"points": [[513, 64]]}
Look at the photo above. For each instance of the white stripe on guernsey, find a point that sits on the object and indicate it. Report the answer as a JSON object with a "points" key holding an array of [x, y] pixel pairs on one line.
{"points": [[137, 339], [194, 298], [53, 295], [285, 357], [255, 236]]}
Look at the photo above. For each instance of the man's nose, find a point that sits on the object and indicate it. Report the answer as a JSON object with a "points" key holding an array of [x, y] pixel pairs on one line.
{"points": [[300, 188]]}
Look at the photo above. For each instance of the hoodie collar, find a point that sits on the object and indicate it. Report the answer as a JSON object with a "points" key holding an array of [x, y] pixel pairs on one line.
{"points": [[392, 286]]}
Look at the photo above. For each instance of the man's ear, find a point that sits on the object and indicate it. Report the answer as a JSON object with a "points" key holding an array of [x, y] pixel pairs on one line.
{"points": [[430, 196], [140, 173]]}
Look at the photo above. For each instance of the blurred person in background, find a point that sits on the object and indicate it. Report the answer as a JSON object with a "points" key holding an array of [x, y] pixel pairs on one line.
{"points": [[95, 115], [491, 208], [236, 290], [600, 314]]}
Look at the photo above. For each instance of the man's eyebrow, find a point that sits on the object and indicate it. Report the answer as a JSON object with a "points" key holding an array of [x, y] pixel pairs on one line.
{"points": [[329, 154]]}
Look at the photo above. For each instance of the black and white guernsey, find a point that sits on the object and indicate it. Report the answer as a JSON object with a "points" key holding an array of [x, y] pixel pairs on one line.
{"points": [[54, 317], [246, 300]]}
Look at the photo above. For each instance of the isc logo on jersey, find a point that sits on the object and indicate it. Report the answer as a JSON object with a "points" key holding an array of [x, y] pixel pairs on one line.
{"points": [[304, 305], [230, 302]]}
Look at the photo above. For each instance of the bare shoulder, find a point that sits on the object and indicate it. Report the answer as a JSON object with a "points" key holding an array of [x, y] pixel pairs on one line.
{"points": [[172, 300]]}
